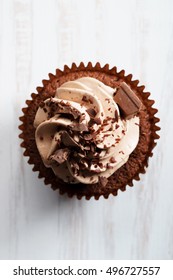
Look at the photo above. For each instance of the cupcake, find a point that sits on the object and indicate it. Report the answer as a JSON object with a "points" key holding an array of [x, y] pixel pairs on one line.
{"points": [[89, 131]]}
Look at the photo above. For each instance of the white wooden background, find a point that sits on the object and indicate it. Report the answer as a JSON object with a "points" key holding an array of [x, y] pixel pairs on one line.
{"points": [[36, 37]]}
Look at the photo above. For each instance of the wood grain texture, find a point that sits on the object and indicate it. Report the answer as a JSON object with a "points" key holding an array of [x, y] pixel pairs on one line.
{"points": [[36, 37]]}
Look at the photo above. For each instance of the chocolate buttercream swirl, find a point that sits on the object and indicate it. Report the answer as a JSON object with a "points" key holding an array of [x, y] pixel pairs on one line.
{"points": [[80, 133]]}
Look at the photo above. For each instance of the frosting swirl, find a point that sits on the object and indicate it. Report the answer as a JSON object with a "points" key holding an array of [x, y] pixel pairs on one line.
{"points": [[80, 134]]}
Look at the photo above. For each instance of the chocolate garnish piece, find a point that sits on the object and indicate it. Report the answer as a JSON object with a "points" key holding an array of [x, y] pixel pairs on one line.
{"points": [[60, 155], [95, 121], [62, 108], [84, 98], [103, 181], [68, 141], [87, 99], [112, 160], [79, 127], [127, 100], [76, 138], [88, 137], [83, 165], [81, 155], [87, 148], [74, 167], [91, 123], [116, 116], [93, 148], [91, 112], [82, 117]]}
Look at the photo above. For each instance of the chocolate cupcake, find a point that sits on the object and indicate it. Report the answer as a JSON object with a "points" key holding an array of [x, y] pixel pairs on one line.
{"points": [[89, 131]]}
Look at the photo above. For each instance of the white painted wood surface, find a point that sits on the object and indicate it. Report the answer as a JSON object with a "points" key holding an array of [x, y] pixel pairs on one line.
{"points": [[36, 37]]}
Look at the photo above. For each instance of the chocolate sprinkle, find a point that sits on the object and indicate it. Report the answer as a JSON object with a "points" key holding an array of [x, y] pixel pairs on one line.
{"points": [[112, 160], [116, 115]]}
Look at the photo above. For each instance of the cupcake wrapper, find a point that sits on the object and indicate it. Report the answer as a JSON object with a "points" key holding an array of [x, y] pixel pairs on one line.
{"points": [[138, 160]]}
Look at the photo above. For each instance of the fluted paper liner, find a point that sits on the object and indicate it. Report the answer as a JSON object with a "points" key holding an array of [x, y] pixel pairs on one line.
{"points": [[137, 161]]}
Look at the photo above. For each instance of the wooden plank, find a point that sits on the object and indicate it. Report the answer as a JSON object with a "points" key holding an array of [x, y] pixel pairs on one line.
{"points": [[36, 37]]}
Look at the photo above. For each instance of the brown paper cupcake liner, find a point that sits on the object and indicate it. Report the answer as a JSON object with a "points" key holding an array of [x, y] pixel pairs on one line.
{"points": [[138, 159]]}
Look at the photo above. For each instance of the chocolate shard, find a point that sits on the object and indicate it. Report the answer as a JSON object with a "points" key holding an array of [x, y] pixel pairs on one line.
{"points": [[94, 121], [103, 181], [79, 127], [62, 108], [61, 155], [82, 117], [91, 112], [82, 154], [68, 141], [87, 99], [87, 148], [93, 148], [74, 167], [83, 164], [127, 101], [97, 120], [88, 137]]}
